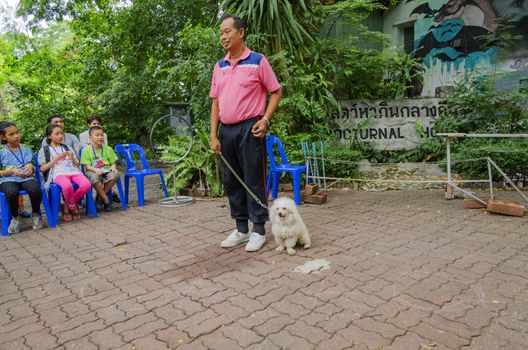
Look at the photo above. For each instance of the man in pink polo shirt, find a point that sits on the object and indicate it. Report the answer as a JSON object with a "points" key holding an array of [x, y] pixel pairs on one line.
{"points": [[240, 83]]}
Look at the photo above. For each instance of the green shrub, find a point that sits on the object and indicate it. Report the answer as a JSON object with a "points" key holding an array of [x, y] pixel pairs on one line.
{"points": [[199, 168], [477, 107], [511, 155], [342, 160]]}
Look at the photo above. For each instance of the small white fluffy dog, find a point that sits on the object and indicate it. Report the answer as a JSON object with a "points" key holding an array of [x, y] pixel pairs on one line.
{"points": [[287, 225]]}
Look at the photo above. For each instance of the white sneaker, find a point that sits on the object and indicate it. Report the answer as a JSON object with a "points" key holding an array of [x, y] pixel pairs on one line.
{"points": [[256, 241], [234, 238]]}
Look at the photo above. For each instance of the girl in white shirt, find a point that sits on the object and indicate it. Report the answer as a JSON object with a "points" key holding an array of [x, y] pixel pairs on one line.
{"points": [[63, 168]]}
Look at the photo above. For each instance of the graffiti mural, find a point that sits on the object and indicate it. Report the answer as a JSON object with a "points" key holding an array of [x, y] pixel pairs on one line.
{"points": [[458, 30], [455, 31]]}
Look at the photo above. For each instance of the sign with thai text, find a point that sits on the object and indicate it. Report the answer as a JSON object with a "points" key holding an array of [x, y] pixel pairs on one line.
{"points": [[387, 125]]}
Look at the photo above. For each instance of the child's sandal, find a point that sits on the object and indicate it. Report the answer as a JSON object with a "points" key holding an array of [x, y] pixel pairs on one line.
{"points": [[76, 214], [67, 216]]}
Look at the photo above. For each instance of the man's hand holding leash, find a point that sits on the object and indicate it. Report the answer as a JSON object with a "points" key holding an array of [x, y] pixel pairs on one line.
{"points": [[215, 145]]}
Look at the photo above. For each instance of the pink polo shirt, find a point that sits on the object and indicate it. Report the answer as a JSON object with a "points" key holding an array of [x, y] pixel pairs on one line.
{"points": [[241, 89]]}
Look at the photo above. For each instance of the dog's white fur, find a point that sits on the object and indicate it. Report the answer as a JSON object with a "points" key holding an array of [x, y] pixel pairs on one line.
{"points": [[287, 225]]}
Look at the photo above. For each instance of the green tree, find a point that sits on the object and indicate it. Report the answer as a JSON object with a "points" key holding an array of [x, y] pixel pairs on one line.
{"points": [[40, 78], [287, 23], [5, 52], [123, 49], [123, 59], [125, 53]]}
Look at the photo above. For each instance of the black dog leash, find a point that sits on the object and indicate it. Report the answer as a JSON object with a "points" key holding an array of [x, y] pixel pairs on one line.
{"points": [[242, 182]]}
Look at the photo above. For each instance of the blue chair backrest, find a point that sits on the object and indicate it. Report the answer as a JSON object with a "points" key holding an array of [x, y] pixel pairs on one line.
{"points": [[80, 153], [127, 151], [37, 170], [271, 141]]}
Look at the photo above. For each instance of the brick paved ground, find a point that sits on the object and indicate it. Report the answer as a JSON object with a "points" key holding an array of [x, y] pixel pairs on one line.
{"points": [[408, 270]]}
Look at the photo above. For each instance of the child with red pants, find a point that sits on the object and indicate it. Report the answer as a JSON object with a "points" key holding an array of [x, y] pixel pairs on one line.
{"points": [[63, 169]]}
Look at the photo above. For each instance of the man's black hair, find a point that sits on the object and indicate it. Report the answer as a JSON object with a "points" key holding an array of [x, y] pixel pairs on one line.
{"points": [[239, 22], [53, 116]]}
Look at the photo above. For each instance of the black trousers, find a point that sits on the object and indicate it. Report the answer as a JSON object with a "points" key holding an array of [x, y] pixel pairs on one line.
{"points": [[11, 189], [247, 155]]}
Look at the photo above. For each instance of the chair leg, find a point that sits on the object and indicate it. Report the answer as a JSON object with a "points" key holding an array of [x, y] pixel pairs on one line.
{"points": [[127, 184], [121, 194], [163, 185], [47, 208], [5, 214], [140, 186], [268, 185], [275, 188], [297, 188], [54, 196], [90, 205]]}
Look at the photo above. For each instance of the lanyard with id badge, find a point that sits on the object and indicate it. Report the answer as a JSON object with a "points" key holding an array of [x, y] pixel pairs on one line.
{"points": [[99, 162], [20, 160], [66, 162]]}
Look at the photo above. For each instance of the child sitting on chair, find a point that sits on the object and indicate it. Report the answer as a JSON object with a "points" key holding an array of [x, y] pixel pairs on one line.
{"points": [[60, 165], [18, 173], [100, 164], [84, 138]]}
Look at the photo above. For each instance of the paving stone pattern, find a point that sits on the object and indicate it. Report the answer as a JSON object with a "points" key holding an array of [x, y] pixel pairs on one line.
{"points": [[409, 270]]}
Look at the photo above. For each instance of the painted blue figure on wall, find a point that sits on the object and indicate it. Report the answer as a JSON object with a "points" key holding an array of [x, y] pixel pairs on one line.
{"points": [[455, 30]]}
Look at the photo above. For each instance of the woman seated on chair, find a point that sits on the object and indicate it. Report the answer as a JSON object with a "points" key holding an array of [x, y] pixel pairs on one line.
{"points": [[18, 173], [60, 165]]}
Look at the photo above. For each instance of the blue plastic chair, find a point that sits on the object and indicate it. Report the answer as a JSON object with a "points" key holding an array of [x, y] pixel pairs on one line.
{"points": [[90, 202], [7, 215], [275, 170], [126, 151], [55, 195]]}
